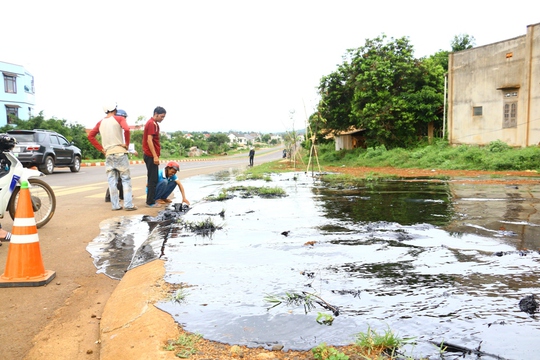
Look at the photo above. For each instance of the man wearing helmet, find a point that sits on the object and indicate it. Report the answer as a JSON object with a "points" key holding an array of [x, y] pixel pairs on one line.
{"points": [[131, 150], [114, 145], [167, 181]]}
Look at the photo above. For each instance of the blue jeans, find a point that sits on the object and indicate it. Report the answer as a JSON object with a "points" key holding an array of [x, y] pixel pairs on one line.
{"points": [[117, 166], [164, 188]]}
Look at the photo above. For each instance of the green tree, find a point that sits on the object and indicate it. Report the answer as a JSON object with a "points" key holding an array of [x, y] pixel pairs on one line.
{"points": [[75, 133], [463, 42], [219, 139], [199, 140], [336, 91], [384, 90], [218, 143], [441, 58]]}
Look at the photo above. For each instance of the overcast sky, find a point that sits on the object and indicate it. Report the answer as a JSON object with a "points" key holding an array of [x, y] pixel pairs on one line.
{"points": [[221, 65]]}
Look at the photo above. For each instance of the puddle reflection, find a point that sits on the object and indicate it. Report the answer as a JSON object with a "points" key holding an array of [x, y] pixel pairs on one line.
{"points": [[431, 260]]}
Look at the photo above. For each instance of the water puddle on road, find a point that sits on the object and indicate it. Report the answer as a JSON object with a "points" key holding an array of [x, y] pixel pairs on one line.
{"points": [[437, 261]]}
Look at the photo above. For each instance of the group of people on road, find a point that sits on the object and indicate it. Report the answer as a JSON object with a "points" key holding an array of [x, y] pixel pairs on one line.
{"points": [[115, 140]]}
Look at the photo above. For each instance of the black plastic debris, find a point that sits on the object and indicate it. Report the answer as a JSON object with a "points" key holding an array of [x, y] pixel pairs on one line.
{"points": [[528, 304]]}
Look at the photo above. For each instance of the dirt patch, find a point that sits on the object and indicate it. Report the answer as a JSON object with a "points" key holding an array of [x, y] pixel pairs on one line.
{"points": [[494, 177]]}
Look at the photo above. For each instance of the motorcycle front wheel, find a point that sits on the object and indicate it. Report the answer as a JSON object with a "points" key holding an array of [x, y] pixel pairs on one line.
{"points": [[43, 201]]}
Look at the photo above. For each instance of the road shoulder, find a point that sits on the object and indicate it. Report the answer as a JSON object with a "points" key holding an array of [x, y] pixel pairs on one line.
{"points": [[132, 327]]}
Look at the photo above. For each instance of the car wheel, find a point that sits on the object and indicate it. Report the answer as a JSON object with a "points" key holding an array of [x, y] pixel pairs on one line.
{"points": [[76, 165], [48, 165]]}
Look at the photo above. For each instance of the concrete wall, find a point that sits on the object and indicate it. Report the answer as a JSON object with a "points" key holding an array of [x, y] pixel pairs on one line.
{"points": [[24, 98], [480, 77], [533, 84]]}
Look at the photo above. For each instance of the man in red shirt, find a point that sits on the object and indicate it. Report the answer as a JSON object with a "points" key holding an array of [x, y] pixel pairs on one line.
{"points": [[152, 150]]}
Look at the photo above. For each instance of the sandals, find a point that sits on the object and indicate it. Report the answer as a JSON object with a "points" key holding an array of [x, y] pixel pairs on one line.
{"points": [[8, 237]]}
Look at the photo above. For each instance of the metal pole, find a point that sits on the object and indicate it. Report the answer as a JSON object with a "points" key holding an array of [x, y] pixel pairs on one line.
{"points": [[444, 107]]}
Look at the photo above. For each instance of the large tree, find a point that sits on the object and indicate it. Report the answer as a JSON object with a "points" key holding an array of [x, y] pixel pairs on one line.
{"points": [[336, 92], [383, 89]]}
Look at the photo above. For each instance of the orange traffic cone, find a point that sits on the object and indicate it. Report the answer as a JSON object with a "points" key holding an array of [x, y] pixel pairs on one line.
{"points": [[24, 266]]}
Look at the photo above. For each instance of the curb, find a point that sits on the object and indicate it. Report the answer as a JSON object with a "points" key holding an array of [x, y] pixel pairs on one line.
{"points": [[133, 162]]}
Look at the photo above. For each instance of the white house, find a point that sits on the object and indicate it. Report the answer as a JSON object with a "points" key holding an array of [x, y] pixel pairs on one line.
{"points": [[17, 97], [243, 139], [278, 138]]}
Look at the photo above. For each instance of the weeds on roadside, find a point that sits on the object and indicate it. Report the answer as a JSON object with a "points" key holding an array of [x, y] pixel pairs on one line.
{"points": [[324, 319], [205, 227], [271, 191], [496, 156], [184, 346], [247, 192], [372, 343], [222, 196], [270, 167], [323, 352], [254, 176], [368, 346], [307, 300], [179, 296], [345, 180], [291, 299]]}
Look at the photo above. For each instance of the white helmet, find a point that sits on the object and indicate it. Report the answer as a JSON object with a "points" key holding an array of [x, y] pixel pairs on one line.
{"points": [[108, 107]]}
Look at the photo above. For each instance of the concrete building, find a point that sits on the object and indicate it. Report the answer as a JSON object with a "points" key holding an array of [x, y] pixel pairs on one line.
{"points": [[242, 138], [494, 92], [17, 97]]}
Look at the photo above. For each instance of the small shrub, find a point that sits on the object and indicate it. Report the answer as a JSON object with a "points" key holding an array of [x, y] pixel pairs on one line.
{"points": [[325, 319], [179, 296], [371, 342], [498, 146], [323, 352], [375, 152], [184, 346]]}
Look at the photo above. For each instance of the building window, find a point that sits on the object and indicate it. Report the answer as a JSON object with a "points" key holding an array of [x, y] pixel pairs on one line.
{"points": [[11, 111], [477, 111], [510, 109], [10, 83]]}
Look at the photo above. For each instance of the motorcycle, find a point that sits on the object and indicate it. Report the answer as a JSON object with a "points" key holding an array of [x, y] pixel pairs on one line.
{"points": [[12, 174]]}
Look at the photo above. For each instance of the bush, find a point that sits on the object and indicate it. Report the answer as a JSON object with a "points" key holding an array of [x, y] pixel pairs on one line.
{"points": [[498, 146], [497, 156]]}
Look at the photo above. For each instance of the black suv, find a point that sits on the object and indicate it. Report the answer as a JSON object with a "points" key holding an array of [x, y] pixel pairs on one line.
{"points": [[45, 149]]}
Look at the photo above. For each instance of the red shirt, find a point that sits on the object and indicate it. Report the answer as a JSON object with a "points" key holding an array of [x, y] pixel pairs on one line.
{"points": [[151, 128], [121, 120]]}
